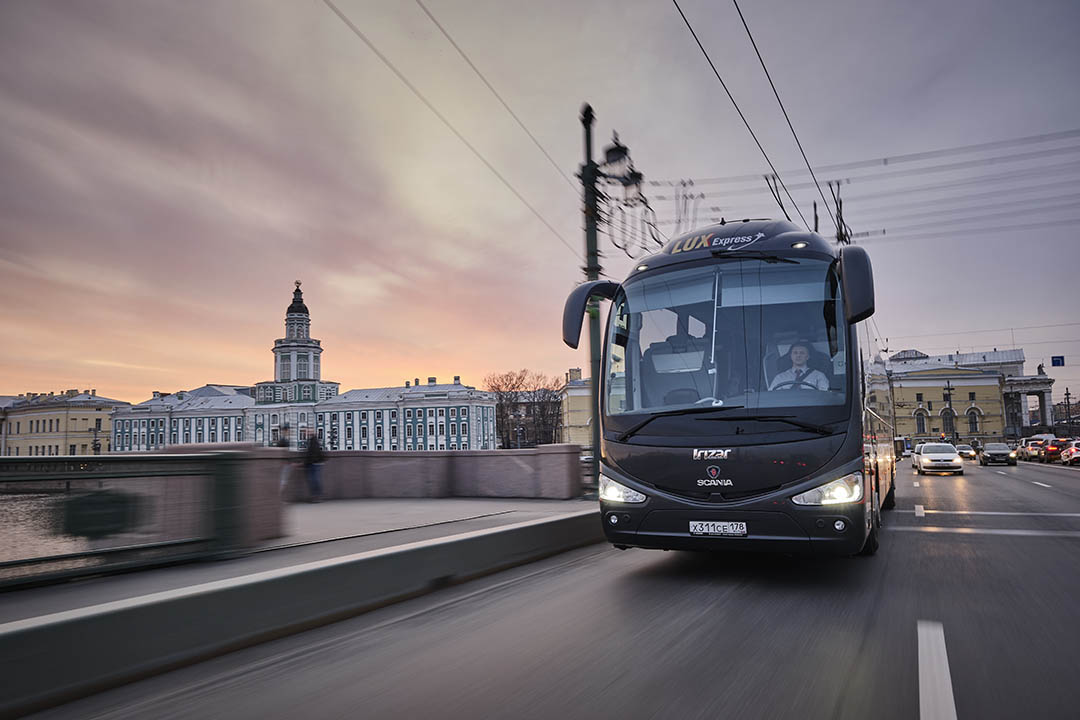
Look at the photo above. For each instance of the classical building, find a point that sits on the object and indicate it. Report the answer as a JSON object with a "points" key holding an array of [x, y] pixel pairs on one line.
{"points": [[67, 423], [410, 417], [575, 401], [965, 396]]}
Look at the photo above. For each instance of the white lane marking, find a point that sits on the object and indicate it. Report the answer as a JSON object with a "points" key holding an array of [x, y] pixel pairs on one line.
{"points": [[1041, 484], [920, 511], [935, 683], [987, 531], [991, 512], [999, 472], [916, 483]]}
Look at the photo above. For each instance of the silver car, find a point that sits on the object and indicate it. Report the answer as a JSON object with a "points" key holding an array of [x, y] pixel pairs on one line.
{"points": [[940, 457], [915, 456]]}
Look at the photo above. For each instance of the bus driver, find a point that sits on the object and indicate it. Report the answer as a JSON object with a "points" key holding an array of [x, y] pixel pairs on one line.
{"points": [[800, 376]]}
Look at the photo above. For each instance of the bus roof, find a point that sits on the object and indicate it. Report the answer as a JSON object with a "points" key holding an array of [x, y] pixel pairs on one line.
{"points": [[770, 236]]}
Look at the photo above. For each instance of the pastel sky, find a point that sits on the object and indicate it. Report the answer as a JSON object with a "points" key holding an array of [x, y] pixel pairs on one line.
{"points": [[168, 169]]}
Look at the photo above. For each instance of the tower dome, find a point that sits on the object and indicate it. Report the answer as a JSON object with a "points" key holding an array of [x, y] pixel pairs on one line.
{"points": [[298, 305]]}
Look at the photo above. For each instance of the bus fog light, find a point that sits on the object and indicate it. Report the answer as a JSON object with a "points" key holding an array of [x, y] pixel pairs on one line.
{"points": [[847, 489], [839, 526], [614, 492]]}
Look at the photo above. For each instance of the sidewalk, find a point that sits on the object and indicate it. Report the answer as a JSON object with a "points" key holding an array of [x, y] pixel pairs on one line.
{"points": [[314, 532]]}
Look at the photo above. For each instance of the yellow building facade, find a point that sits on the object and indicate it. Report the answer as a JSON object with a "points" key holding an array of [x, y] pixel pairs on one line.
{"points": [[56, 424], [575, 406], [957, 404]]}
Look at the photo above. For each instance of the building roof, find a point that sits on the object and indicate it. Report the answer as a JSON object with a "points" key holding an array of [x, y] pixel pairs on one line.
{"points": [[71, 397], [297, 306], [396, 393], [984, 357]]}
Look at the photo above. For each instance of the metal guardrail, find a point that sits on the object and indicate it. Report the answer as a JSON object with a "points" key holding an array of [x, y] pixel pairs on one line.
{"points": [[67, 517]]}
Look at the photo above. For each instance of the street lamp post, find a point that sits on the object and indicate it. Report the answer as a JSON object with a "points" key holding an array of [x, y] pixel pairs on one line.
{"points": [[952, 415], [617, 169]]}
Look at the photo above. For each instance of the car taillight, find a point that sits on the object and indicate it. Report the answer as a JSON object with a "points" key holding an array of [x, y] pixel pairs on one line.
{"points": [[1052, 447]]}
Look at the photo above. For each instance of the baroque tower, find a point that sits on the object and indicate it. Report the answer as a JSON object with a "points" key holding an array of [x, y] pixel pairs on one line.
{"points": [[297, 355]]}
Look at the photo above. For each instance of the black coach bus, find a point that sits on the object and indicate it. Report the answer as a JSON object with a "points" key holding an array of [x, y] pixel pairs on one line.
{"points": [[743, 405]]}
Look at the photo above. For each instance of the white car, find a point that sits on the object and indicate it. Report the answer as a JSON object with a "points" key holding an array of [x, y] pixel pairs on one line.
{"points": [[915, 456], [940, 457]]}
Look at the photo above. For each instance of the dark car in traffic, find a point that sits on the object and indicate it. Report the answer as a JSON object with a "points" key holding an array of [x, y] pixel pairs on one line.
{"points": [[1051, 451], [996, 453]]}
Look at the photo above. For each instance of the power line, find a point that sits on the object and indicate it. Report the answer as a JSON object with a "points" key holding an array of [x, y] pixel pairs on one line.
{"points": [[497, 96], [991, 216], [1061, 168], [988, 330], [961, 198], [900, 235], [1025, 207], [786, 117], [896, 159], [739, 111], [433, 109]]}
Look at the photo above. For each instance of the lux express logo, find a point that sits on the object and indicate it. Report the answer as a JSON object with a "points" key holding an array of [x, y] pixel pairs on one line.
{"points": [[709, 240]]}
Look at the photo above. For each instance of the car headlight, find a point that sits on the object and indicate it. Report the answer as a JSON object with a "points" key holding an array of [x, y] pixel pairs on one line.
{"points": [[958, 459], [615, 492], [847, 489], [1012, 454]]}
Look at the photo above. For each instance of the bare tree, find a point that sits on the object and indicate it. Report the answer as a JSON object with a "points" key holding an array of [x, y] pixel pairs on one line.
{"points": [[527, 408], [507, 387]]}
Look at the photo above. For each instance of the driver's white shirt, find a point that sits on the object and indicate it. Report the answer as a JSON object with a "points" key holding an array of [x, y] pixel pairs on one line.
{"points": [[809, 376]]}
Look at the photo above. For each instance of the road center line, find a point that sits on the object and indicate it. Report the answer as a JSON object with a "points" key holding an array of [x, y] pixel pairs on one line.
{"points": [[916, 483], [1000, 472], [920, 511], [1041, 484], [935, 683], [985, 531], [990, 512]]}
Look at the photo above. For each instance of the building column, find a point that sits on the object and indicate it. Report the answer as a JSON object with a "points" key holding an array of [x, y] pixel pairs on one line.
{"points": [[1047, 408], [1025, 412]]}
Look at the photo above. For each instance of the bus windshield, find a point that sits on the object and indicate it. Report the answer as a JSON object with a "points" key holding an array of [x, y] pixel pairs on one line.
{"points": [[728, 333]]}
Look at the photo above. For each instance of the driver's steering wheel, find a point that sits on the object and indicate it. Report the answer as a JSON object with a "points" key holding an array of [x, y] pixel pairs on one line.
{"points": [[793, 383]]}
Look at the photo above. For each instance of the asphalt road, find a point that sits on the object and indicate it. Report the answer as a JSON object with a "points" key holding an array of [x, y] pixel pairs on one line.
{"points": [[971, 606]]}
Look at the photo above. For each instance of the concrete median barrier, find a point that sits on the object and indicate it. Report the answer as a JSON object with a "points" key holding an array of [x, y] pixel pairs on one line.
{"points": [[55, 658]]}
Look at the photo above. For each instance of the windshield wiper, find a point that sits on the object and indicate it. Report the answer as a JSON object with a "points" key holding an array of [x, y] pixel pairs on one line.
{"points": [[685, 411], [753, 255], [789, 419]]}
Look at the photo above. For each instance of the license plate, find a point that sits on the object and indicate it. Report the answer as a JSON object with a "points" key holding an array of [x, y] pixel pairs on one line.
{"points": [[730, 529]]}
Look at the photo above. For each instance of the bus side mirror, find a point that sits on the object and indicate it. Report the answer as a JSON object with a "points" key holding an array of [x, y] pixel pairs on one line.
{"points": [[574, 310], [857, 278]]}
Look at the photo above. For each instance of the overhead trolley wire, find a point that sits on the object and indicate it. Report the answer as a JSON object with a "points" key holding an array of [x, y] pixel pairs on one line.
{"points": [[786, 116], [497, 95], [896, 159], [740, 112], [1002, 329], [386, 61], [902, 234]]}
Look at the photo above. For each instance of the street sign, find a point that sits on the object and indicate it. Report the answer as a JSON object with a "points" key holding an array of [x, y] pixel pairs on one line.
{"points": [[1057, 361]]}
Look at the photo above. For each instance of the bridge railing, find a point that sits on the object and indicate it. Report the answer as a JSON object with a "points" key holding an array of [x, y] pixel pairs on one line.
{"points": [[70, 516]]}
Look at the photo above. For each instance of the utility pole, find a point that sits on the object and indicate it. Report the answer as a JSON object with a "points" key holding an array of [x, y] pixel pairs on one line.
{"points": [[1068, 412], [948, 403], [617, 169], [589, 173]]}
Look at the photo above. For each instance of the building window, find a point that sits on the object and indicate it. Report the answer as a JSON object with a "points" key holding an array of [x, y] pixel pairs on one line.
{"points": [[348, 433], [393, 431], [363, 416], [408, 431], [971, 396], [363, 433], [393, 447], [378, 415], [302, 366], [920, 424], [442, 412], [464, 429], [453, 412], [973, 421], [442, 429], [453, 428], [408, 414], [918, 397], [948, 423], [286, 368], [431, 429], [378, 432], [393, 414], [71, 449]]}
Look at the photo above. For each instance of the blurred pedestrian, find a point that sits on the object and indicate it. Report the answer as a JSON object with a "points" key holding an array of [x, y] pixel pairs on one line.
{"points": [[313, 460], [283, 441]]}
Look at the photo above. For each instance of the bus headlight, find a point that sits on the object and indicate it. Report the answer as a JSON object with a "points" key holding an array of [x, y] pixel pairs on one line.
{"points": [[847, 489], [614, 492]]}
